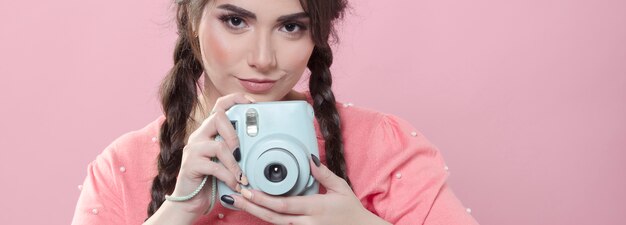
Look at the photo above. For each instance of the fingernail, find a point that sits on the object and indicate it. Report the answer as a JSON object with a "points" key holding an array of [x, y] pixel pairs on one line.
{"points": [[250, 98], [238, 188], [315, 160], [237, 154], [243, 179], [228, 199], [246, 193]]}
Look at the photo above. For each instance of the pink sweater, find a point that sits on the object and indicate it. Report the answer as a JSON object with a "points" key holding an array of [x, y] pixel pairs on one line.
{"points": [[395, 172]]}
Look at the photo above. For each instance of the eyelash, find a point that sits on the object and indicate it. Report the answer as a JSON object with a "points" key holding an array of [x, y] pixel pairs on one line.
{"points": [[226, 19]]}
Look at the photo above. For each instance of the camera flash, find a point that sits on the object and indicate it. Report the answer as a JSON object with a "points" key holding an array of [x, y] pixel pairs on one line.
{"points": [[252, 127]]}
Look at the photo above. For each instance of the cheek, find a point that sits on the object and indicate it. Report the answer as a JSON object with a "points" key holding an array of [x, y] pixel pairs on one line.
{"points": [[296, 56], [218, 48]]}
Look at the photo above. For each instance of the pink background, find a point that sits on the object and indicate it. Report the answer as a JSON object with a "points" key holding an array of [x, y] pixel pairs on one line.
{"points": [[525, 98]]}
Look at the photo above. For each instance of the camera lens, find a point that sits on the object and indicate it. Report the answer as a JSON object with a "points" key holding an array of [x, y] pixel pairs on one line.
{"points": [[275, 172]]}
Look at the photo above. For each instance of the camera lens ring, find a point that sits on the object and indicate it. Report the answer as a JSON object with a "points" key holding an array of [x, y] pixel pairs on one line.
{"points": [[276, 156], [281, 148]]}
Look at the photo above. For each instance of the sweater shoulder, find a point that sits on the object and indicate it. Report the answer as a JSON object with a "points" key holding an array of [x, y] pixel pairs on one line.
{"points": [[138, 148], [357, 118]]}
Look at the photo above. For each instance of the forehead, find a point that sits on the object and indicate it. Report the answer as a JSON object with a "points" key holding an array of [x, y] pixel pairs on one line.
{"points": [[261, 8]]}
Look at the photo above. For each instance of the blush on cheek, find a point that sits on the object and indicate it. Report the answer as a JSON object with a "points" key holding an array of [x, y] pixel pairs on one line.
{"points": [[216, 47]]}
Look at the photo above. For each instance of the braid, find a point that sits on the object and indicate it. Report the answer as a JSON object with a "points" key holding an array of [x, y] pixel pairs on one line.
{"points": [[325, 109], [323, 15], [178, 97]]}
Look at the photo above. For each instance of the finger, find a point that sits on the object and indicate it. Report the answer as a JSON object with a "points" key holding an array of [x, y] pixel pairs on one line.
{"points": [[327, 178], [226, 157], [226, 130], [264, 213], [230, 144], [207, 167], [217, 123], [208, 127], [225, 102], [202, 152], [212, 126], [299, 205]]}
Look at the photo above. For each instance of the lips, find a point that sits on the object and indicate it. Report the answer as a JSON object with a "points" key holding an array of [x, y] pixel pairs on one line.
{"points": [[257, 86]]}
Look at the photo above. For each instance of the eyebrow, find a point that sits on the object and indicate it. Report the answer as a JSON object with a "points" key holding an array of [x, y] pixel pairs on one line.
{"points": [[294, 16], [238, 10], [245, 13]]}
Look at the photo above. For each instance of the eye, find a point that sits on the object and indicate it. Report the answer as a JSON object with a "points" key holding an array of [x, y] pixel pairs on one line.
{"points": [[292, 28], [234, 22]]}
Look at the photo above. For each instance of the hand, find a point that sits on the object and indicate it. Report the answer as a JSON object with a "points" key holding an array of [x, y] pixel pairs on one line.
{"points": [[201, 147], [338, 206]]}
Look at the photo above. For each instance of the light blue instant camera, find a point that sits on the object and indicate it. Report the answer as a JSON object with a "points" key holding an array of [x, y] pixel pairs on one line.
{"points": [[276, 140]]}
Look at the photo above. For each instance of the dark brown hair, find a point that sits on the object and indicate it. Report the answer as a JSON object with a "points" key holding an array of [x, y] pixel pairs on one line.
{"points": [[179, 91]]}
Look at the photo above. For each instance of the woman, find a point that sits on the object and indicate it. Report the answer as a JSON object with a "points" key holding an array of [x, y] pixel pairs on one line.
{"points": [[375, 168]]}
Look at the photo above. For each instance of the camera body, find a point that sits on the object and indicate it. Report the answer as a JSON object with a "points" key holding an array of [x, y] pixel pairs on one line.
{"points": [[276, 140]]}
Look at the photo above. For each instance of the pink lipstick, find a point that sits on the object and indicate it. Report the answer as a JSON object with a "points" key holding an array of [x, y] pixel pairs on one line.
{"points": [[257, 86]]}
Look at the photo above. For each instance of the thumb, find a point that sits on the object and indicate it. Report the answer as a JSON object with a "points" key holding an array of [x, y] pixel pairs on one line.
{"points": [[327, 178]]}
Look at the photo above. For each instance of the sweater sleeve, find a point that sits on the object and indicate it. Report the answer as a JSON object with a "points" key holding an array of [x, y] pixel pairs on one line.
{"points": [[100, 200], [411, 179]]}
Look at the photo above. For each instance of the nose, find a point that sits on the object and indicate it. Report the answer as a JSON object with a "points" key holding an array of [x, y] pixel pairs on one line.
{"points": [[262, 57]]}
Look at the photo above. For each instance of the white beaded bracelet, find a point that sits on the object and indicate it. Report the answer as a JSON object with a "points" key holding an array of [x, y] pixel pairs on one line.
{"points": [[194, 193], [189, 196], [198, 189]]}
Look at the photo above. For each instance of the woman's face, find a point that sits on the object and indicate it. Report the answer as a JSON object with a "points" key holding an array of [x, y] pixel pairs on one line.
{"points": [[258, 47]]}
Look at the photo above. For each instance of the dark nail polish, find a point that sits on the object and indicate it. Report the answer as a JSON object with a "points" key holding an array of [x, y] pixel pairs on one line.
{"points": [[237, 154], [315, 160], [228, 199]]}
